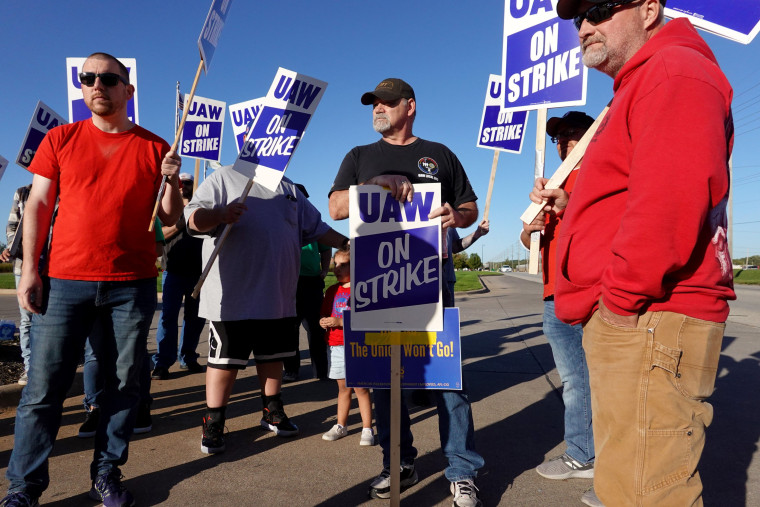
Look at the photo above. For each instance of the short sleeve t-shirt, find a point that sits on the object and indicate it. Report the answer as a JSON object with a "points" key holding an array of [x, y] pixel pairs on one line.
{"points": [[421, 161], [337, 299], [107, 186]]}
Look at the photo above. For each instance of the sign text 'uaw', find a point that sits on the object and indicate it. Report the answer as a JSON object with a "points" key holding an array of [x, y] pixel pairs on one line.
{"points": [[43, 119], [242, 116], [279, 126], [395, 259], [542, 58], [203, 129]]}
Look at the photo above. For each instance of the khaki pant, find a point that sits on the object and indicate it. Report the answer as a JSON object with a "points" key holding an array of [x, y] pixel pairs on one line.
{"points": [[648, 387]]}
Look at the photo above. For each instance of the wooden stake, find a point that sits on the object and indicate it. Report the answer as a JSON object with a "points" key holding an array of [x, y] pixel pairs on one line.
{"points": [[395, 461], [176, 142], [222, 237], [197, 174], [535, 237], [490, 183]]}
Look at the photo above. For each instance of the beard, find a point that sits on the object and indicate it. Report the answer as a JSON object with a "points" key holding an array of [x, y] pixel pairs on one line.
{"points": [[103, 107], [593, 58], [381, 123]]}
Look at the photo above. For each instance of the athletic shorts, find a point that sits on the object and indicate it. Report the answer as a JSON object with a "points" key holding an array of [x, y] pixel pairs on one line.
{"points": [[336, 362], [231, 342]]}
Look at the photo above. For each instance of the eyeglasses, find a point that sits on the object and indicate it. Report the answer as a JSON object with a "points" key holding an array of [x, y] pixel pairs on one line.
{"points": [[599, 13], [565, 134], [107, 78]]}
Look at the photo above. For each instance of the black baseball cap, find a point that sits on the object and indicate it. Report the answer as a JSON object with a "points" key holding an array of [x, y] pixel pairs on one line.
{"points": [[568, 9], [570, 119], [389, 90]]}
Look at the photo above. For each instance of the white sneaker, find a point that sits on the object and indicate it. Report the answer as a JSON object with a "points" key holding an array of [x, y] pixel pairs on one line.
{"points": [[368, 438], [24, 379], [335, 433], [465, 494]]}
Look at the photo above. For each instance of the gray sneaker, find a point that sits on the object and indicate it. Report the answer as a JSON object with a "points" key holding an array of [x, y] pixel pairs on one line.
{"points": [[565, 467], [465, 494], [590, 498], [381, 486], [335, 433]]}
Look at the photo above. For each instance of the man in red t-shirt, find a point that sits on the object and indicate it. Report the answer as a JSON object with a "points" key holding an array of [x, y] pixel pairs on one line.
{"points": [[577, 462], [100, 279]]}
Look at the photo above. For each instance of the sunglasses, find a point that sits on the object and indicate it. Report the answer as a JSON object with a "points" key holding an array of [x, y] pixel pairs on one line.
{"points": [[107, 78], [565, 134], [599, 13]]}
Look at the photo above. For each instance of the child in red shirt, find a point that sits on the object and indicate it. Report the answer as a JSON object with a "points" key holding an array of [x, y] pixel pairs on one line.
{"points": [[336, 300]]}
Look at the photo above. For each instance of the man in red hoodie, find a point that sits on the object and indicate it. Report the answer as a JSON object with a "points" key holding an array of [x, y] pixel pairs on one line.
{"points": [[642, 257]]}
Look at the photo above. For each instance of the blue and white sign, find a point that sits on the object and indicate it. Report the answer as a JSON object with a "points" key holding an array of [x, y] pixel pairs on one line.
{"points": [[737, 20], [279, 126], [3, 166], [212, 29], [500, 129], [77, 108], [541, 59], [395, 259], [43, 119], [242, 115], [436, 364], [202, 133]]}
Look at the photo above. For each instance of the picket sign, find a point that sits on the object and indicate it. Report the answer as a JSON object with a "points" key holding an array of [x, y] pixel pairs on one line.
{"points": [[564, 170], [535, 236]]}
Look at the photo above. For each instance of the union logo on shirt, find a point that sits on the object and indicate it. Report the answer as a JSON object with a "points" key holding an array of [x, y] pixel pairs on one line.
{"points": [[427, 165]]}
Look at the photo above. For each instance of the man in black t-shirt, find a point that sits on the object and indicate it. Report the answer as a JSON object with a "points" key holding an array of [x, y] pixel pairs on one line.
{"points": [[397, 161]]}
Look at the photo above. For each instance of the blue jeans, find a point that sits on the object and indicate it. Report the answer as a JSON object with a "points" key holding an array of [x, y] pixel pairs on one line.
{"points": [[23, 332], [455, 428], [176, 288], [94, 381], [70, 310], [567, 348]]}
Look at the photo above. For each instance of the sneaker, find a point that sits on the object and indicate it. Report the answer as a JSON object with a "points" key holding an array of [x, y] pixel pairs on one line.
{"points": [[565, 467], [191, 367], [465, 494], [19, 499], [590, 498], [143, 423], [90, 425], [381, 486], [368, 438], [289, 377], [276, 420], [24, 379], [335, 433], [212, 441], [160, 373], [107, 488]]}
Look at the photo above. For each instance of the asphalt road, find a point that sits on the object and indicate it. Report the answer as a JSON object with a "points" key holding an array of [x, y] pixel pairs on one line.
{"points": [[516, 406]]}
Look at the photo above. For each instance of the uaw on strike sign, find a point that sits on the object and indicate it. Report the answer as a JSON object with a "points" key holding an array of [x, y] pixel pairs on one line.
{"points": [[279, 126], [542, 58], [202, 132], [395, 260]]}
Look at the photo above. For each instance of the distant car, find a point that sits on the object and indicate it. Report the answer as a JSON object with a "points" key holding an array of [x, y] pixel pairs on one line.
{"points": [[751, 267], [505, 269], [465, 269]]}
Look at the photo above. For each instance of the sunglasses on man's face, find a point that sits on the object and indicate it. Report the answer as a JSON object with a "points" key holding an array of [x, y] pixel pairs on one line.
{"points": [[107, 78], [599, 13]]}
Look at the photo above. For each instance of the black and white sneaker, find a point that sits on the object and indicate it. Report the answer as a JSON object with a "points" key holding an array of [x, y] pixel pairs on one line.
{"points": [[212, 441], [465, 494], [275, 420], [564, 467], [381, 486]]}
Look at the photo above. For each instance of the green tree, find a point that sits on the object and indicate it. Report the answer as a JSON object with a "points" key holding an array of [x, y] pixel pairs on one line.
{"points": [[474, 261], [460, 260]]}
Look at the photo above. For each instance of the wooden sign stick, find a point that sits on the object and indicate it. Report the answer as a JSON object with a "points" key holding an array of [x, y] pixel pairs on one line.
{"points": [[535, 237], [176, 142], [490, 183], [222, 237], [564, 170]]}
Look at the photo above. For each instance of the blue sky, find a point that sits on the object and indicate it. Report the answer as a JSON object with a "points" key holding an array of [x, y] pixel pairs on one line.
{"points": [[445, 49]]}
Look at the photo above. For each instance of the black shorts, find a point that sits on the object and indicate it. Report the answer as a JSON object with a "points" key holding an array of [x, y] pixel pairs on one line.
{"points": [[231, 342]]}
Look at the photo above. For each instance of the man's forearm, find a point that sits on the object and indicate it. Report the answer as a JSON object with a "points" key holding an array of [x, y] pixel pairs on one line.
{"points": [[338, 205]]}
